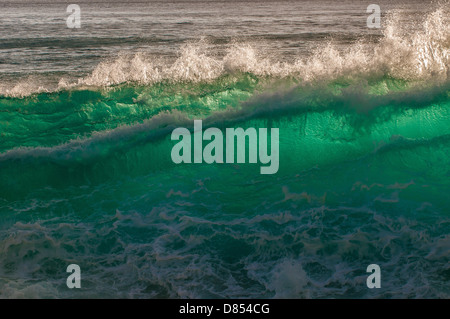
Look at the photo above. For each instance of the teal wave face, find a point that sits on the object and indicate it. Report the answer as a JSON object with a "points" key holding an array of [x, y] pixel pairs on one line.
{"points": [[86, 177]]}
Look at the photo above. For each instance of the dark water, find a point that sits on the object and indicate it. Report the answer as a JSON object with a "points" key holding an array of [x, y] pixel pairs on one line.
{"points": [[86, 174]]}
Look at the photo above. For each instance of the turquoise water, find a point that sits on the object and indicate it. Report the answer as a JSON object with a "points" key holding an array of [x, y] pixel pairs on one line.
{"points": [[86, 175]]}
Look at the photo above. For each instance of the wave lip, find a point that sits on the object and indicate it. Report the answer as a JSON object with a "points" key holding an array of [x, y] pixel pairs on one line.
{"points": [[424, 56]]}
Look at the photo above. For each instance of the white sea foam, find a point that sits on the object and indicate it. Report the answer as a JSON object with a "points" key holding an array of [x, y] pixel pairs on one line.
{"points": [[422, 55]]}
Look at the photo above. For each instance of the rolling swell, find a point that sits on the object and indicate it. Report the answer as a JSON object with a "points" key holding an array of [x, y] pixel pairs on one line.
{"points": [[86, 175], [319, 125]]}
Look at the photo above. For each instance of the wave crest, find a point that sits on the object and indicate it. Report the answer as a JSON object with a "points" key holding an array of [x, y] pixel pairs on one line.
{"points": [[418, 56], [422, 55]]}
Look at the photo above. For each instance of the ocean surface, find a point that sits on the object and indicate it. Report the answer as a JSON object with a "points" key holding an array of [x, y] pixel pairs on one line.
{"points": [[86, 175]]}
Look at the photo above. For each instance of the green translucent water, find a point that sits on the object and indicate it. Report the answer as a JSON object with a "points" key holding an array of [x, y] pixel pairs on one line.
{"points": [[86, 177]]}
